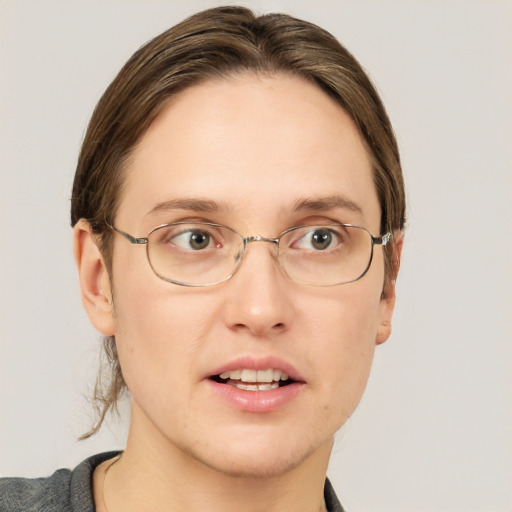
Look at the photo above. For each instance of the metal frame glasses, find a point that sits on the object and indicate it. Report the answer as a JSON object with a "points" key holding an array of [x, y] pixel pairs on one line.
{"points": [[206, 254]]}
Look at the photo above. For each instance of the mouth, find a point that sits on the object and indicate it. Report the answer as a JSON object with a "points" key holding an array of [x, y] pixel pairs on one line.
{"points": [[254, 380]]}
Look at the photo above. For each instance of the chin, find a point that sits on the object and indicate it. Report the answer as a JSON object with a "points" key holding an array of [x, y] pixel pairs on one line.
{"points": [[257, 467], [262, 458]]}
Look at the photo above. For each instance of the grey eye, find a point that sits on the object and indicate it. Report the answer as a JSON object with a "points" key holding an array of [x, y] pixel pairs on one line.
{"points": [[195, 240], [317, 239], [321, 239], [199, 240]]}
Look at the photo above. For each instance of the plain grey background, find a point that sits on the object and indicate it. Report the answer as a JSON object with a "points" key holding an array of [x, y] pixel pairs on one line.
{"points": [[434, 430]]}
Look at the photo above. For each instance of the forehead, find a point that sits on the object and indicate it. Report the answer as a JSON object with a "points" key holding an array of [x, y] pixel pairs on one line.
{"points": [[256, 145]]}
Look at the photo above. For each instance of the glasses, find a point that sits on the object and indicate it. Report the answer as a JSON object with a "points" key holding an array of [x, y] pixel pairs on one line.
{"points": [[206, 254]]}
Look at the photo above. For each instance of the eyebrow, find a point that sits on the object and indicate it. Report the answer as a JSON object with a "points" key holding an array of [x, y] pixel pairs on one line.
{"points": [[306, 204], [192, 204], [327, 203]]}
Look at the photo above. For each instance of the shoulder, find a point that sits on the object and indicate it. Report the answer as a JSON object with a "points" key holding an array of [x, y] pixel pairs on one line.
{"points": [[64, 491], [331, 500], [36, 494]]}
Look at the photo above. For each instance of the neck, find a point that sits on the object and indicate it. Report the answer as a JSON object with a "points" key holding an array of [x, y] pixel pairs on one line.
{"points": [[155, 474]]}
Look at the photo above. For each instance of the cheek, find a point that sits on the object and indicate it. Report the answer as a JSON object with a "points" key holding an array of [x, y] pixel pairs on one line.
{"points": [[346, 321], [351, 353], [159, 334], [344, 333]]}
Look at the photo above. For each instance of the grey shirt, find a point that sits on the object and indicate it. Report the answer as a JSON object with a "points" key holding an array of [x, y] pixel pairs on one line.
{"points": [[71, 491]]}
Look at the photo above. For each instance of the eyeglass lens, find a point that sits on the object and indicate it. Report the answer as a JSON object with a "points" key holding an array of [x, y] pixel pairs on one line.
{"points": [[200, 254]]}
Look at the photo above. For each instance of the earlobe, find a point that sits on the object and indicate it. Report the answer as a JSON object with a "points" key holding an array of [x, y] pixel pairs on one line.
{"points": [[94, 279], [387, 304]]}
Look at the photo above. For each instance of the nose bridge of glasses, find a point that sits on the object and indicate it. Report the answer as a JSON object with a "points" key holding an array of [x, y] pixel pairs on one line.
{"points": [[258, 238]]}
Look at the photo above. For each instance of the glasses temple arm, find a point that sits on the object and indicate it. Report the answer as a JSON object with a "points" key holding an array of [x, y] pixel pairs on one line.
{"points": [[382, 240], [128, 237]]}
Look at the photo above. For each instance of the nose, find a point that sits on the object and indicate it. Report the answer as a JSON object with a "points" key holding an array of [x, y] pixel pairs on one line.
{"points": [[259, 294]]}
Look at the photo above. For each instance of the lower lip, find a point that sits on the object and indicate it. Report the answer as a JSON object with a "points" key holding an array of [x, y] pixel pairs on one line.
{"points": [[256, 401]]}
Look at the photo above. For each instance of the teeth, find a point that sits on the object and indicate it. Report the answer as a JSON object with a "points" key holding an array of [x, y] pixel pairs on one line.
{"points": [[254, 387], [249, 375], [265, 375], [255, 376]]}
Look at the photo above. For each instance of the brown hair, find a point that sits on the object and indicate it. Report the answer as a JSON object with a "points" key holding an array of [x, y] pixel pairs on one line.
{"points": [[219, 43]]}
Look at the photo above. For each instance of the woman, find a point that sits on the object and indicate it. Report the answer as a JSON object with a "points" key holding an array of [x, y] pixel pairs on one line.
{"points": [[253, 161]]}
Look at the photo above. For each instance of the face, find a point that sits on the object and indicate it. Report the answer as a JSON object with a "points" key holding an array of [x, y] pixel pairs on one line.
{"points": [[244, 153]]}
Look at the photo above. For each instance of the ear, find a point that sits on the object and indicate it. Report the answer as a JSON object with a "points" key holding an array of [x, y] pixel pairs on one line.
{"points": [[94, 279], [387, 303]]}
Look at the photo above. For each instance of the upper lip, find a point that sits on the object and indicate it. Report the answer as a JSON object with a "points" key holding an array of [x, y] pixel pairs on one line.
{"points": [[258, 363]]}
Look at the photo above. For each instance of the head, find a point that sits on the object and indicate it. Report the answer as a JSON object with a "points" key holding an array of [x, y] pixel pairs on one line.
{"points": [[222, 49]]}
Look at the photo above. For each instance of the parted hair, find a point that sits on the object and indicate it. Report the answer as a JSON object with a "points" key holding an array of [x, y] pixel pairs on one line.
{"points": [[220, 43]]}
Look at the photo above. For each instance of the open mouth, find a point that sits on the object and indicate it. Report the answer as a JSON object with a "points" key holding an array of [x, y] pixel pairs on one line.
{"points": [[254, 380]]}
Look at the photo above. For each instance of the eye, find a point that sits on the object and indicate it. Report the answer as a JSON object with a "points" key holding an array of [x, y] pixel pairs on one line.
{"points": [[195, 239], [318, 239]]}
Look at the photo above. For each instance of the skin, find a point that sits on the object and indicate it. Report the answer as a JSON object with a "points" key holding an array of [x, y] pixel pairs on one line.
{"points": [[256, 145]]}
